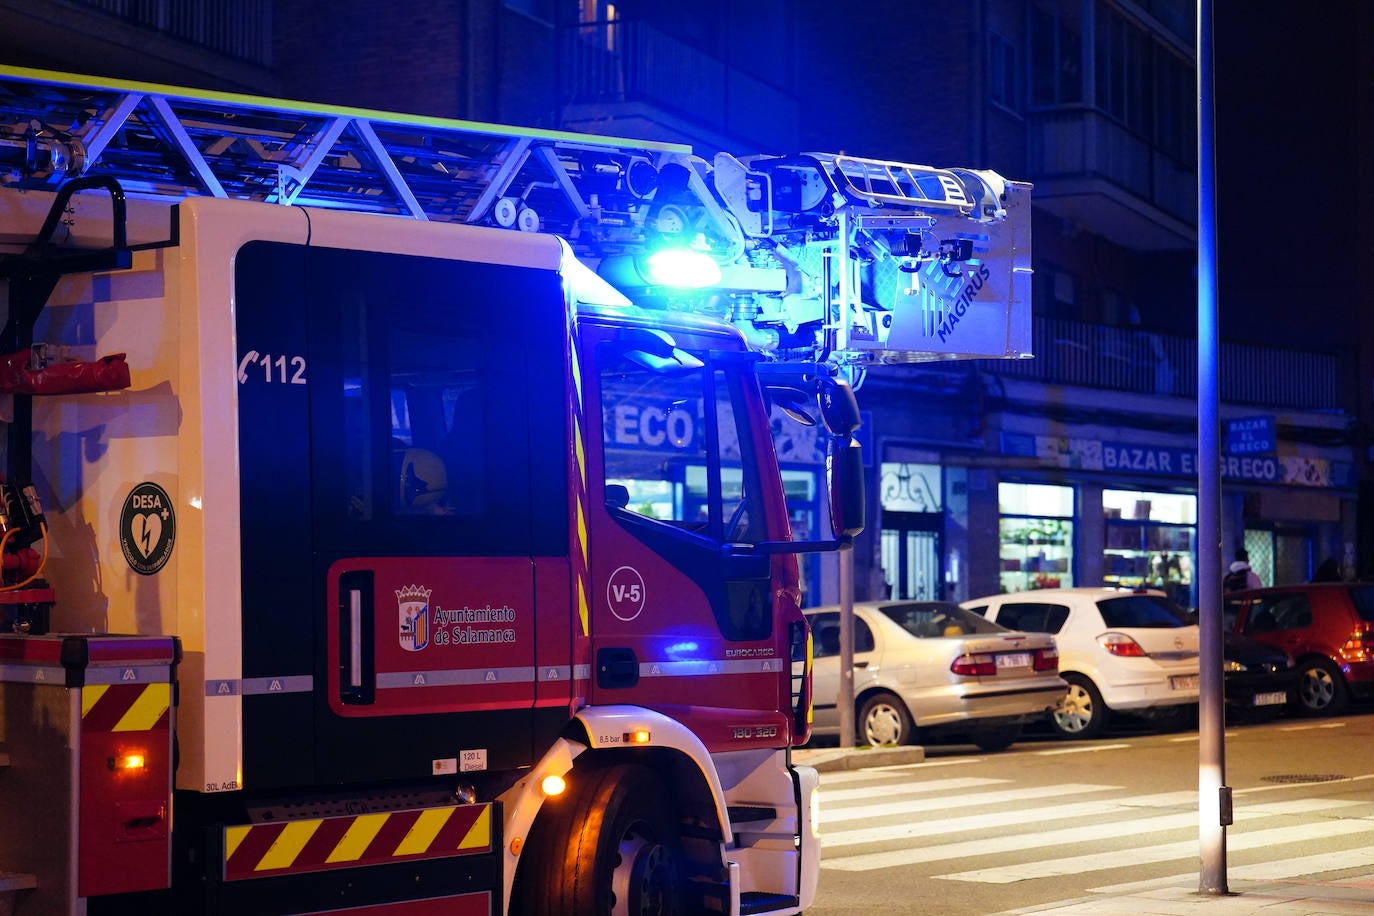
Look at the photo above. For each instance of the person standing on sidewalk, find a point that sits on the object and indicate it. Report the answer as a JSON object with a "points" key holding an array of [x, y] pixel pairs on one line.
{"points": [[1240, 575]]}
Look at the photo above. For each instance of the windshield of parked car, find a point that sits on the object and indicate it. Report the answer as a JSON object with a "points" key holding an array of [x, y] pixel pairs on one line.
{"points": [[1144, 611], [936, 619]]}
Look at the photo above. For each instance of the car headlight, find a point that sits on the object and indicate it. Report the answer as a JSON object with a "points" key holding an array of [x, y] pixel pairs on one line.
{"points": [[1232, 665]]}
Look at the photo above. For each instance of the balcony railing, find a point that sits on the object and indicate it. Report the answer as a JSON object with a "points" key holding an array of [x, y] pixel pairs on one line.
{"points": [[1130, 360], [1083, 143], [241, 29], [623, 61]]}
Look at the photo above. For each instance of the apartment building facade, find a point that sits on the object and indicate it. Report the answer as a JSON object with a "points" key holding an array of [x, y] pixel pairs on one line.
{"points": [[1076, 468]]}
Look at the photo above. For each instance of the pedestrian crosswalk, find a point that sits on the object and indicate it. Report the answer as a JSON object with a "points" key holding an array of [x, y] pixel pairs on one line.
{"points": [[996, 831]]}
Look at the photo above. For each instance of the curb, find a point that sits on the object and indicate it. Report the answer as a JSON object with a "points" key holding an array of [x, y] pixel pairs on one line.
{"points": [[831, 760]]}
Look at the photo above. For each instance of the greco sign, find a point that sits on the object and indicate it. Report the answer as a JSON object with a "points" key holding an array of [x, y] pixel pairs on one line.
{"points": [[147, 528]]}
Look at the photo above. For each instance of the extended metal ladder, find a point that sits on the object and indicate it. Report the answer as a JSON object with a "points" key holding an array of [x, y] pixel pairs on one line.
{"points": [[829, 216], [161, 140]]}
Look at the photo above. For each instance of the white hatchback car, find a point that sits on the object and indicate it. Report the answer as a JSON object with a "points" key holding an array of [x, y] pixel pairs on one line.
{"points": [[928, 668], [1127, 651]]}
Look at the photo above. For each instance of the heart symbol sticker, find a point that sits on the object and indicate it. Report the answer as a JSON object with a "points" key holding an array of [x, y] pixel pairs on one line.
{"points": [[147, 531]]}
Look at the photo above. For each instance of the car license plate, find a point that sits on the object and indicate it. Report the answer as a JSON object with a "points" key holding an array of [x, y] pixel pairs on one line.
{"points": [[1013, 660], [1271, 699], [1183, 682]]}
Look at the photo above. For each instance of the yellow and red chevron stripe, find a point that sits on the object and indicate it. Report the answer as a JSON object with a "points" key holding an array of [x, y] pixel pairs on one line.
{"points": [[125, 707], [353, 841], [581, 564]]}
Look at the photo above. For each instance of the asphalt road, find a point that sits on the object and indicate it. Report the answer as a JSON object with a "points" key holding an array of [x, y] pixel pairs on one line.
{"points": [[1049, 820]]}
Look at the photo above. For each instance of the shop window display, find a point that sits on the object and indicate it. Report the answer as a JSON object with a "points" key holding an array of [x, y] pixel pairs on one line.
{"points": [[1151, 542], [1036, 533]]}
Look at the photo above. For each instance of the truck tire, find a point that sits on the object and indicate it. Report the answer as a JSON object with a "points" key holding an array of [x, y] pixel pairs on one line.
{"points": [[610, 844]]}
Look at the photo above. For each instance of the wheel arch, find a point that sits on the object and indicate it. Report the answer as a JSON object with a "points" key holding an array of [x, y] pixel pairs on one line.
{"points": [[868, 693], [1314, 655], [596, 739]]}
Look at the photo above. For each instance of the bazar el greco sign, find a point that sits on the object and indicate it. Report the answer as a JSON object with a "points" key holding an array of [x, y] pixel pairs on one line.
{"points": [[1135, 458], [1252, 436]]}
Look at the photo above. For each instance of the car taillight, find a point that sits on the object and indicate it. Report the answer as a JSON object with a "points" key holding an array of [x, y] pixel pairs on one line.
{"points": [[1360, 646], [979, 665], [1121, 645], [1046, 660]]}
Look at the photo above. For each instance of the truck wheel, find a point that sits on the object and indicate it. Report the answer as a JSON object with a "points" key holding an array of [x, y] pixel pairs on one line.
{"points": [[610, 845]]}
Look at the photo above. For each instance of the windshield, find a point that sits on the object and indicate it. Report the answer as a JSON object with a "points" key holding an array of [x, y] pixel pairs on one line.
{"points": [[1144, 611], [936, 618]]}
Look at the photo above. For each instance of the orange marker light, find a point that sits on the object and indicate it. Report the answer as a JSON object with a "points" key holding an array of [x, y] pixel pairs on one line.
{"points": [[554, 785], [134, 760]]}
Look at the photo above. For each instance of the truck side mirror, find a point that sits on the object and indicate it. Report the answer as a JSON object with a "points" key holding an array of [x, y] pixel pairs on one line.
{"points": [[845, 470], [839, 407]]}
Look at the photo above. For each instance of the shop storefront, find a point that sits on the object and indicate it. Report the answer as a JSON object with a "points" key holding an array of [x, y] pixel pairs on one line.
{"points": [[1151, 542], [1035, 536]]}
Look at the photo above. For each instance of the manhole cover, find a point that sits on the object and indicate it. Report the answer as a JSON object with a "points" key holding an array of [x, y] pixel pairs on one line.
{"points": [[1303, 777]]}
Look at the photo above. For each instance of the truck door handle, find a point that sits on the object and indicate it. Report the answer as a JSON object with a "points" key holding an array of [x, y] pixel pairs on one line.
{"points": [[617, 667], [355, 639], [357, 662], [861, 664]]}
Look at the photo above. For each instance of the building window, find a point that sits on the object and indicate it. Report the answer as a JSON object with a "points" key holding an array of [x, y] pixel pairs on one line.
{"points": [[1004, 75], [1151, 541], [1175, 100], [1036, 536], [1123, 65], [910, 487], [1056, 52]]}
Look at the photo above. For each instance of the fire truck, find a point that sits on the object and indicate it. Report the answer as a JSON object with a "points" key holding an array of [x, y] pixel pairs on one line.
{"points": [[391, 517]]}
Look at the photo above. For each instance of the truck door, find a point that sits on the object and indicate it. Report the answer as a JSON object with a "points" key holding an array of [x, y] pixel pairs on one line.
{"points": [[686, 614], [401, 525]]}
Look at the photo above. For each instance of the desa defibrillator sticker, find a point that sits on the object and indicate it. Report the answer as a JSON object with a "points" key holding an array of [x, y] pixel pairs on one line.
{"points": [[147, 528]]}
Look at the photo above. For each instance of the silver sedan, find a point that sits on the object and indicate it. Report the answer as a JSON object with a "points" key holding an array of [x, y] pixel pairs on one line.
{"points": [[932, 669]]}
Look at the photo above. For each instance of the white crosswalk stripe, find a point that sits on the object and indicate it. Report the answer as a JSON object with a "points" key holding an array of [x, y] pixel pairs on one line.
{"points": [[993, 823], [884, 806], [1163, 852], [1277, 870], [930, 787]]}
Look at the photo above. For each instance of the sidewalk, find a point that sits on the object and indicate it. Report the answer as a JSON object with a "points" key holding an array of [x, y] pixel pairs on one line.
{"points": [[834, 759], [1179, 896], [1173, 896]]}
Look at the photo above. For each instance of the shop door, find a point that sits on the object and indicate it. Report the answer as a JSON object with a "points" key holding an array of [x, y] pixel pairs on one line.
{"points": [[911, 555]]}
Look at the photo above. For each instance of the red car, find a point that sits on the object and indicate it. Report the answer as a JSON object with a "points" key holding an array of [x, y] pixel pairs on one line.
{"points": [[1327, 628]]}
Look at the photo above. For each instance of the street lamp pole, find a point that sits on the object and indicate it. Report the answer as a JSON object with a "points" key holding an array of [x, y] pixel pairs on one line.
{"points": [[1214, 796]]}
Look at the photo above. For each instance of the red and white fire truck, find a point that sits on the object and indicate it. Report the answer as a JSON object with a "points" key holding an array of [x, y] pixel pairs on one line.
{"points": [[391, 518]]}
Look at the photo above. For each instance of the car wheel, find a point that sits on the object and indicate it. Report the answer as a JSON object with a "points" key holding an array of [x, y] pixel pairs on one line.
{"points": [[883, 719], [996, 737], [1081, 714], [1321, 689]]}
